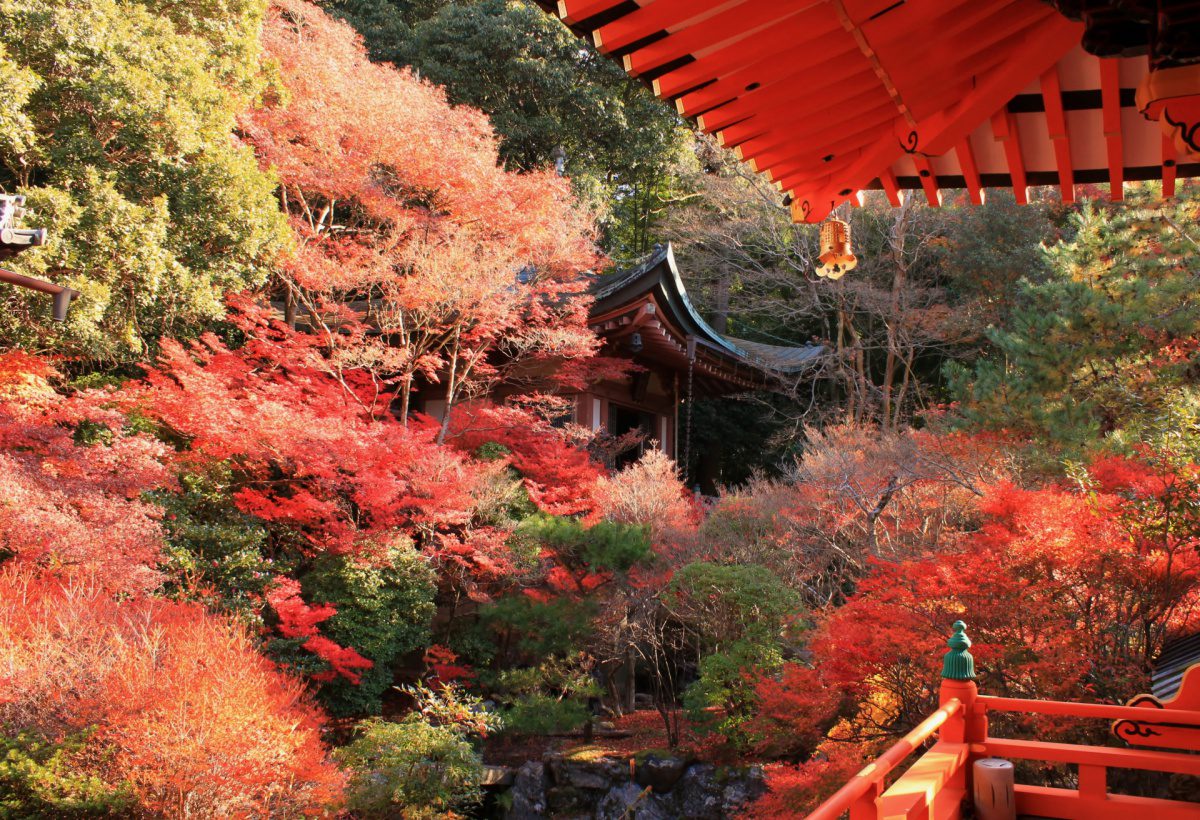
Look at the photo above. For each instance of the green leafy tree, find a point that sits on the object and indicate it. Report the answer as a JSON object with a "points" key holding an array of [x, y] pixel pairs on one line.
{"points": [[117, 124], [739, 618], [39, 778], [412, 769], [606, 545], [384, 609], [214, 552], [424, 766]]}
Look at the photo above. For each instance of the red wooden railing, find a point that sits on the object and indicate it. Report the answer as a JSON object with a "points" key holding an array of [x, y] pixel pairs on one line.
{"points": [[935, 786], [859, 795], [1091, 798]]}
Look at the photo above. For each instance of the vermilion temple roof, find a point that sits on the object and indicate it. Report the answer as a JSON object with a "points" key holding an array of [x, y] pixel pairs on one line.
{"points": [[831, 97]]}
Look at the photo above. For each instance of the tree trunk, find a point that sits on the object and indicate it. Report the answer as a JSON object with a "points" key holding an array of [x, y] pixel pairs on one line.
{"points": [[899, 278], [289, 306], [451, 391]]}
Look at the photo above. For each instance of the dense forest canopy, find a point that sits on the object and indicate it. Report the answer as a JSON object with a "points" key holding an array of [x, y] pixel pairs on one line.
{"points": [[241, 576]]}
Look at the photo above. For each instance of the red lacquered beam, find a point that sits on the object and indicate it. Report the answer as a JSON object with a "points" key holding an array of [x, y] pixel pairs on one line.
{"points": [[1105, 711]]}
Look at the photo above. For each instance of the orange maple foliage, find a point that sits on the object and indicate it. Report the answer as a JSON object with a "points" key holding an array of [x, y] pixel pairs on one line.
{"points": [[1068, 592], [397, 196], [180, 704]]}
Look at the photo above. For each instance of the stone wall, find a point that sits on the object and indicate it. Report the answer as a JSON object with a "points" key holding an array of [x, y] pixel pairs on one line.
{"points": [[653, 788]]}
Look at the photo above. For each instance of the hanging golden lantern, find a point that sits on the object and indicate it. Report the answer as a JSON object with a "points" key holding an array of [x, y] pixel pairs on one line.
{"points": [[836, 256]]}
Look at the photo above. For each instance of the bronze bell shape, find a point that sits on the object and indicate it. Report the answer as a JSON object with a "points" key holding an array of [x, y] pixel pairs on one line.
{"points": [[836, 256]]}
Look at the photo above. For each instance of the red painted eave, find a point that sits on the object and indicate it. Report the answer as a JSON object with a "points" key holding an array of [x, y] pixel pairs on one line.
{"points": [[831, 97]]}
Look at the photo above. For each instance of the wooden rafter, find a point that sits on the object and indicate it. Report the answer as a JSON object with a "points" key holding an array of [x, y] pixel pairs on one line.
{"points": [[887, 181], [732, 24], [1056, 124], [1005, 131], [657, 16], [970, 170], [576, 11], [1169, 166], [782, 104], [928, 179], [1110, 90], [727, 76], [782, 100]]}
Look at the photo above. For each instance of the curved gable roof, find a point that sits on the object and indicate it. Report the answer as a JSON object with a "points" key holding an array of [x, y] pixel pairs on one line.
{"points": [[657, 278]]}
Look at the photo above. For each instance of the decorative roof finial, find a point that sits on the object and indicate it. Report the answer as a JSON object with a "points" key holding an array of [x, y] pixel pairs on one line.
{"points": [[958, 663]]}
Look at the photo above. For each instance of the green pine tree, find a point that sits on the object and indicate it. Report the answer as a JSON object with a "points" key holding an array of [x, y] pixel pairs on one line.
{"points": [[1104, 346]]}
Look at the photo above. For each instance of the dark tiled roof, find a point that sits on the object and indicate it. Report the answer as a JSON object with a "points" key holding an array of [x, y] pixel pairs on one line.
{"points": [[780, 357], [609, 284], [1172, 662], [660, 267]]}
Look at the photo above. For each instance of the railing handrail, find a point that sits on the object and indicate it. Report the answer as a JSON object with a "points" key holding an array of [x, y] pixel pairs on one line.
{"points": [[1107, 711], [880, 767], [1108, 756]]}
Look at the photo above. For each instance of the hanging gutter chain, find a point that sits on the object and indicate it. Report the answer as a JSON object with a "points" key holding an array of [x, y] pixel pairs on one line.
{"points": [[687, 434]]}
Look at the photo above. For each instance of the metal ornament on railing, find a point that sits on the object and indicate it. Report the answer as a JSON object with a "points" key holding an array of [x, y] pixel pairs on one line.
{"points": [[837, 256], [958, 664]]}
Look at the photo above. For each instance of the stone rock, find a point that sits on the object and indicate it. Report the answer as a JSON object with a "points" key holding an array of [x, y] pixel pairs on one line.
{"points": [[587, 777], [529, 793], [568, 801], [663, 788], [700, 795], [497, 776], [634, 802], [662, 773], [744, 788], [595, 775]]}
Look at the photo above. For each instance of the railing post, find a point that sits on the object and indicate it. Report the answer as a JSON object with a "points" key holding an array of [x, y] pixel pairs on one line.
{"points": [[865, 807], [969, 725], [1093, 782]]}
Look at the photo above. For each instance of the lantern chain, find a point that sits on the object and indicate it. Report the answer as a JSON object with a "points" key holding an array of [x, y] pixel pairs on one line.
{"points": [[687, 430]]}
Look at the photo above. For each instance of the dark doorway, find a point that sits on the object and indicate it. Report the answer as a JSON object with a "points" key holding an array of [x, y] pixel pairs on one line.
{"points": [[622, 420]]}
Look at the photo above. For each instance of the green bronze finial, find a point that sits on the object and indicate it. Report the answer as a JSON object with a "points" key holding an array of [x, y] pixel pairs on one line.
{"points": [[958, 663]]}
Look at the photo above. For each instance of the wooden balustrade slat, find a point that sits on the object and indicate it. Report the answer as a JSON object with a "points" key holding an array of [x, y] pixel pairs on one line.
{"points": [[1068, 804], [1093, 781], [874, 773]]}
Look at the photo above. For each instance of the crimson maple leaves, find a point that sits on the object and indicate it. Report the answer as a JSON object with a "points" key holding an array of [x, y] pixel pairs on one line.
{"points": [[1068, 589]]}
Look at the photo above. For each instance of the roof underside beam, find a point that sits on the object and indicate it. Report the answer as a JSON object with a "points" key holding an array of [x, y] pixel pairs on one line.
{"points": [[830, 97]]}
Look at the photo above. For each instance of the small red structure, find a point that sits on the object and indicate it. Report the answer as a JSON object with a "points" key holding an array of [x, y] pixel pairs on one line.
{"points": [[14, 240], [937, 784]]}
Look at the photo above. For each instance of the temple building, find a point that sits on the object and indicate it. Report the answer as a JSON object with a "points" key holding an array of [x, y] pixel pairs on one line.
{"points": [[645, 314]]}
